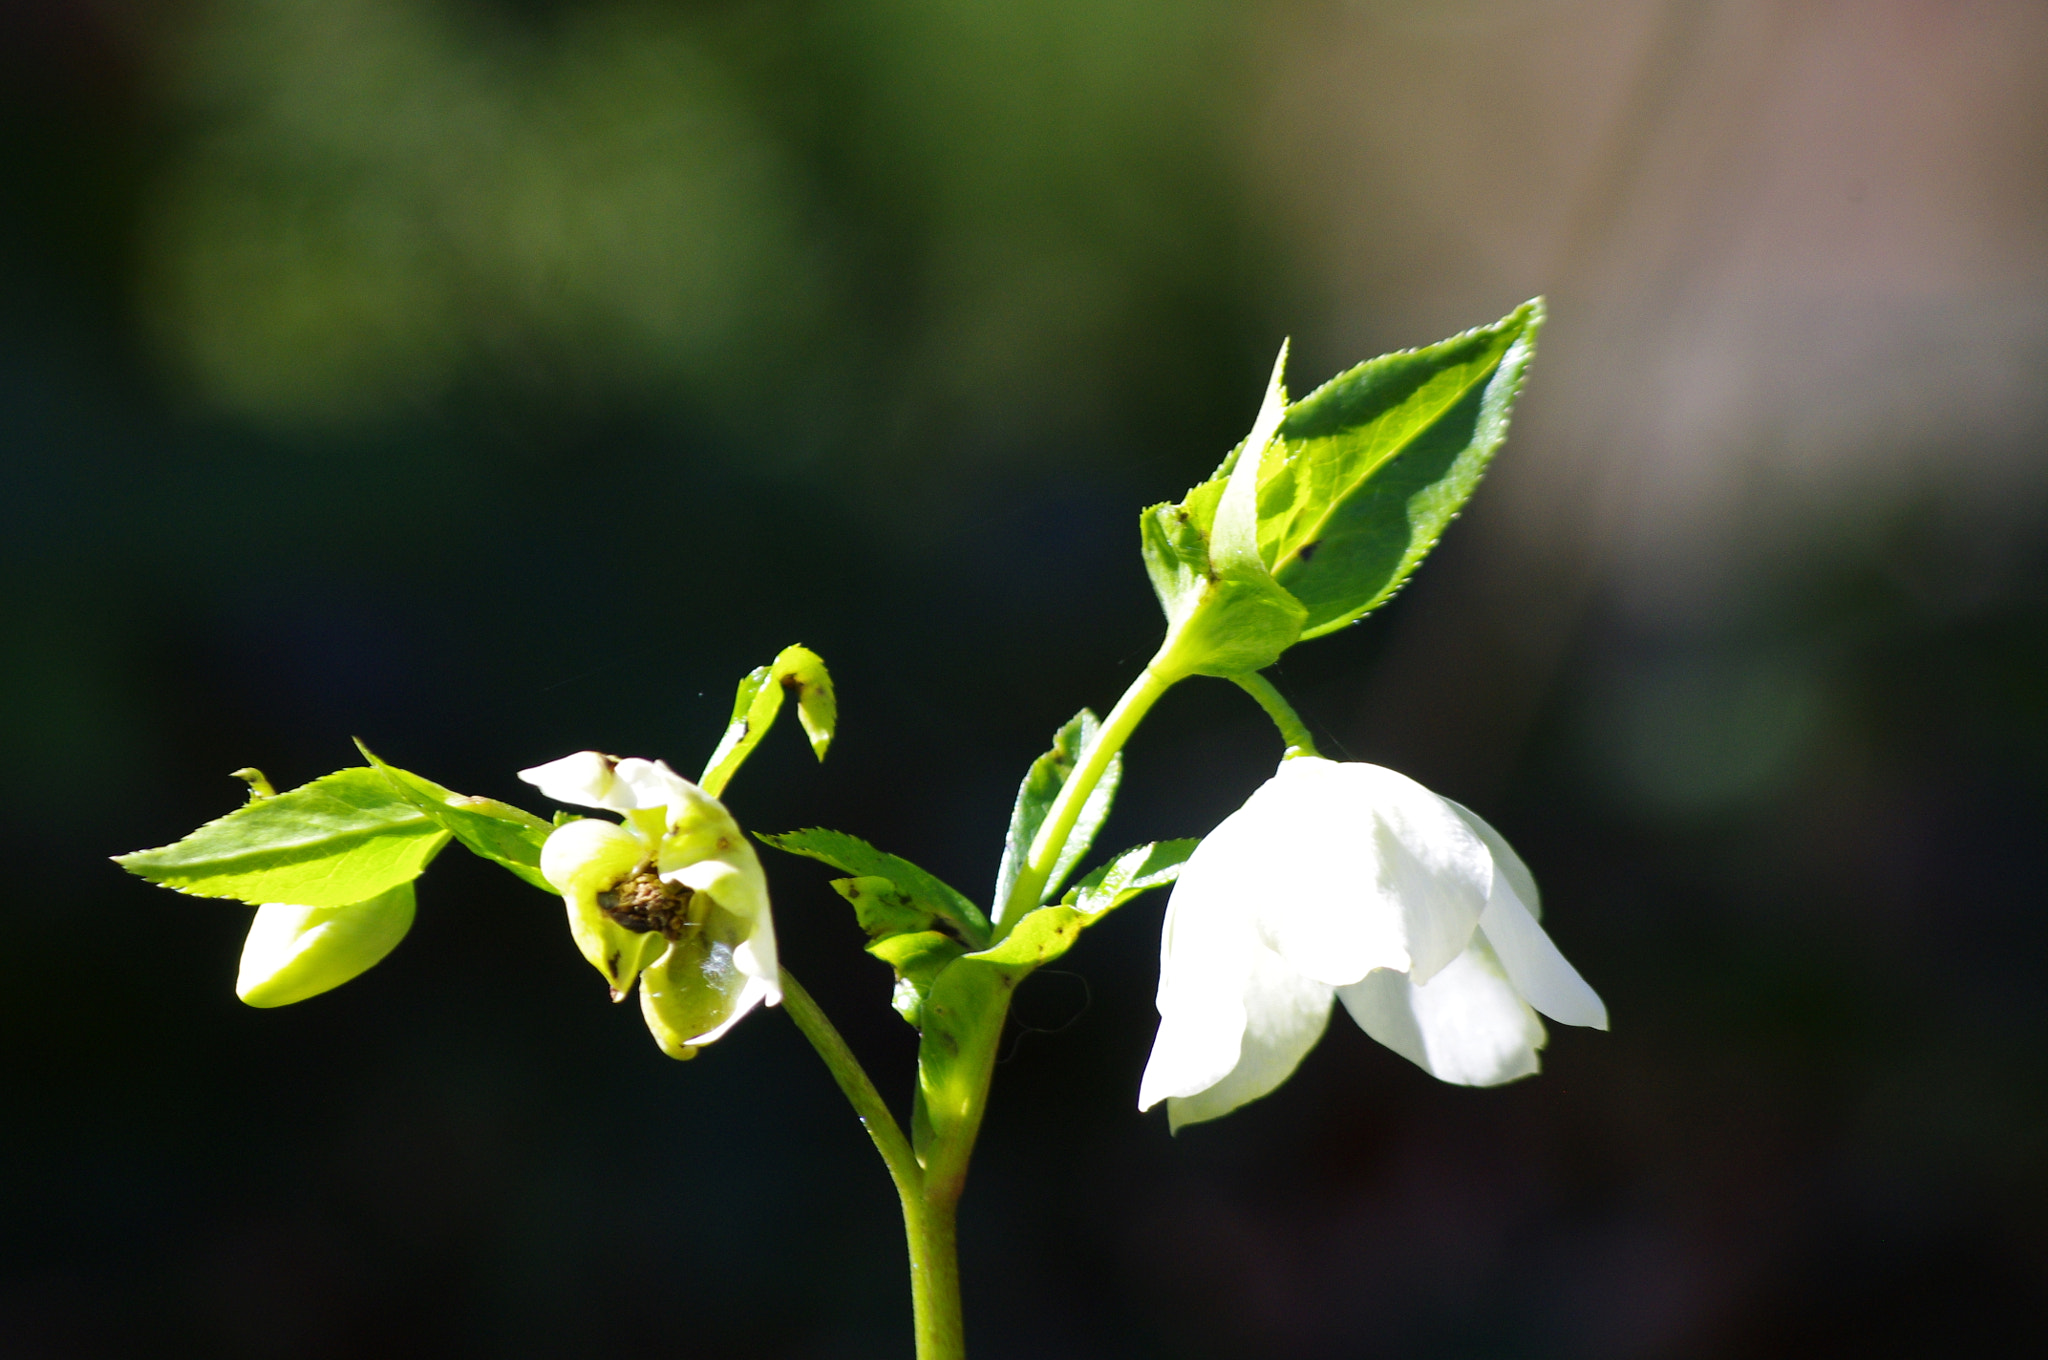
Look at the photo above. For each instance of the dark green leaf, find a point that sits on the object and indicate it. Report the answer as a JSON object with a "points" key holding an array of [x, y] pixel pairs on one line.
{"points": [[341, 839], [855, 856], [496, 831], [1378, 461]]}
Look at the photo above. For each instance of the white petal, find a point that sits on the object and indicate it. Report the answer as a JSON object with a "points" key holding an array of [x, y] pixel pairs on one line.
{"points": [[1206, 951], [1285, 1013], [652, 784], [741, 892], [590, 848], [1196, 1047], [1467, 1026], [1505, 861], [1369, 869], [1540, 973], [585, 779]]}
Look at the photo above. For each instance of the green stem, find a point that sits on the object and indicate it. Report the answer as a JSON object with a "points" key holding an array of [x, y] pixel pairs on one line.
{"points": [[928, 1211], [1066, 807], [1293, 730]]}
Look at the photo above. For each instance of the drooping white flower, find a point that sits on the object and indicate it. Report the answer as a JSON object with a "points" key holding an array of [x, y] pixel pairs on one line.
{"points": [[1352, 881], [672, 894]]}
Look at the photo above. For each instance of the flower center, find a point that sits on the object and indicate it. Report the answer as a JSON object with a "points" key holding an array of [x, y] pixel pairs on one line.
{"points": [[643, 903]]}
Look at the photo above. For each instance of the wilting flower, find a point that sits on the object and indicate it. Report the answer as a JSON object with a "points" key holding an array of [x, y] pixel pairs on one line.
{"points": [[671, 895], [1351, 881]]}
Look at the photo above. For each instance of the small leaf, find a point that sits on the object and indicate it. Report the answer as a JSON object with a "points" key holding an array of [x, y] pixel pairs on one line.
{"points": [[962, 1008], [918, 957], [795, 670], [1042, 783], [855, 856], [495, 831], [1379, 460], [341, 839], [960, 1023], [881, 907], [1133, 872]]}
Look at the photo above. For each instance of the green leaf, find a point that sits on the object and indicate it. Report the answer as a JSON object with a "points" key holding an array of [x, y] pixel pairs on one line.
{"points": [[960, 1023], [881, 907], [496, 831], [1133, 872], [341, 839], [1378, 461], [1042, 782], [962, 1008], [855, 856], [918, 957], [795, 670]]}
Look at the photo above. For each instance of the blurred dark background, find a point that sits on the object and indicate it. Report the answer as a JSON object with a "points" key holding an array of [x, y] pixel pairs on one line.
{"points": [[497, 378]]}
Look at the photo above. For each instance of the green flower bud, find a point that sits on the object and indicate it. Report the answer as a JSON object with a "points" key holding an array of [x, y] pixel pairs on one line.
{"points": [[294, 952]]}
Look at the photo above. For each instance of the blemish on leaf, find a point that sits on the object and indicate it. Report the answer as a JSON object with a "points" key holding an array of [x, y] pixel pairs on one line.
{"points": [[1308, 550]]}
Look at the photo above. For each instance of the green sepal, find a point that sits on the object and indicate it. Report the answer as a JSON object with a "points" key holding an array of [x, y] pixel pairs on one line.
{"points": [[294, 952], [342, 839], [1376, 462], [759, 700], [1042, 783], [852, 855], [963, 1007], [498, 832], [918, 957]]}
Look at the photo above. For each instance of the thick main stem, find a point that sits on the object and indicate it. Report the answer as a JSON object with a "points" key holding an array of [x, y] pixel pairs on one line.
{"points": [[928, 1209]]}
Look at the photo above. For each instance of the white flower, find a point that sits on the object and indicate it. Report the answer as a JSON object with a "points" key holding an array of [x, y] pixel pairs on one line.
{"points": [[672, 895], [1352, 881]]}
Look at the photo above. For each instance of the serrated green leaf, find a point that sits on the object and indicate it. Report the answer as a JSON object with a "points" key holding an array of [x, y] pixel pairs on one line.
{"points": [[1372, 466], [881, 907], [341, 839], [498, 832], [918, 957], [855, 856], [797, 670], [1134, 871], [1042, 782]]}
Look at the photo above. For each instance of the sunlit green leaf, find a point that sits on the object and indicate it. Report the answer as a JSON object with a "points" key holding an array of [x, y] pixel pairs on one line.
{"points": [[881, 907], [795, 670], [918, 957], [496, 831], [1047, 776], [341, 839], [1133, 872], [855, 856], [1377, 462], [961, 1009]]}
